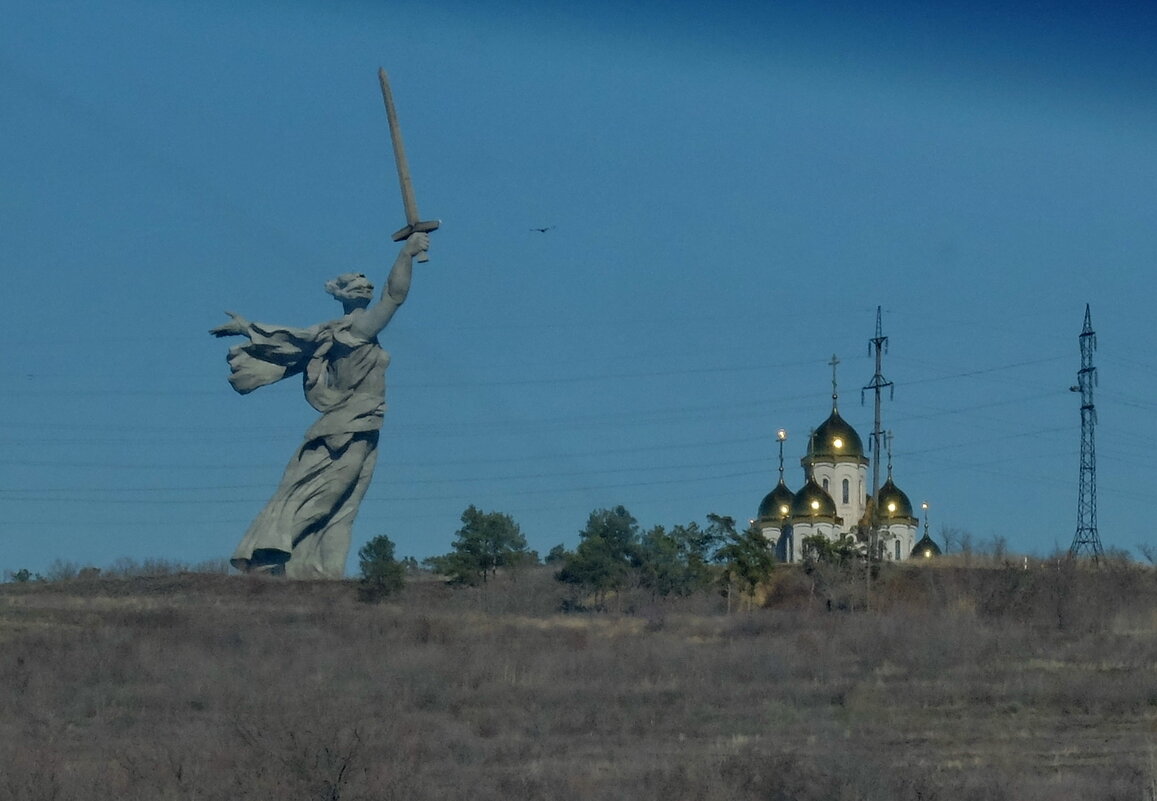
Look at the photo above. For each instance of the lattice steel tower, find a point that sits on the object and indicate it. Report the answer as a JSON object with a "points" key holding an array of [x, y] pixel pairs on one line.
{"points": [[1087, 541], [878, 346]]}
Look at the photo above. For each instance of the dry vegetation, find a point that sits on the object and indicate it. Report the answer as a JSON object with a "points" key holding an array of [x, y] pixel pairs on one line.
{"points": [[961, 683]]}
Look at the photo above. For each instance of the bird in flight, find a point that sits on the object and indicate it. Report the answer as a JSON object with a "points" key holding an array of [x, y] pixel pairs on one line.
{"points": [[543, 230]]}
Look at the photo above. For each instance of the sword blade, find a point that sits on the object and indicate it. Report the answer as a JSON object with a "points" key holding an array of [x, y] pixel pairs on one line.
{"points": [[408, 201]]}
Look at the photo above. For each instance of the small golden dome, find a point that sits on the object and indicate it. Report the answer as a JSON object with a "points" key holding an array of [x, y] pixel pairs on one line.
{"points": [[776, 505], [813, 501], [894, 504]]}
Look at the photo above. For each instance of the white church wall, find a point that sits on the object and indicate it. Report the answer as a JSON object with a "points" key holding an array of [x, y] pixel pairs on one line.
{"points": [[831, 476], [899, 541]]}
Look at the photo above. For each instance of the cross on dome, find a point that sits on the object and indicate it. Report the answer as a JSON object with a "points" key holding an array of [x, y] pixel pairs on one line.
{"points": [[835, 393]]}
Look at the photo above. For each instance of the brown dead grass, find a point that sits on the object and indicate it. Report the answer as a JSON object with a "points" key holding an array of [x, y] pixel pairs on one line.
{"points": [[960, 684]]}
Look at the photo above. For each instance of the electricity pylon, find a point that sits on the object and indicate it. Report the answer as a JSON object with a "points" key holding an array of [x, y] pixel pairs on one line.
{"points": [[1087, 541]]}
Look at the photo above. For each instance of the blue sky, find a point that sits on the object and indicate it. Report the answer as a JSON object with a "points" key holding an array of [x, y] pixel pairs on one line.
{"points": [[733, 191]]}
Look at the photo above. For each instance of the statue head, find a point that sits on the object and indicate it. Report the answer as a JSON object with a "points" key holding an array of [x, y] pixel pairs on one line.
{"points": [[351, 289]]}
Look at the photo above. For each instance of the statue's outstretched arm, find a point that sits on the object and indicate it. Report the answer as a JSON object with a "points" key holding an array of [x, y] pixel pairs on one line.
{"points": [[237, 326], [371, 322]]}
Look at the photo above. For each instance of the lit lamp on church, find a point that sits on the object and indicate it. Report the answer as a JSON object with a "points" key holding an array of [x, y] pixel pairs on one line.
{"points": [[927, 550]]}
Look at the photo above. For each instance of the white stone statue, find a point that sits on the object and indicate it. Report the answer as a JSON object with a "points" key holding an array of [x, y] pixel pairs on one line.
{"points": [[304, 530]]}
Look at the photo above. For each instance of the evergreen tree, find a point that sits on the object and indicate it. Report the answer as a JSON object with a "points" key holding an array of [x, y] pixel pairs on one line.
{"points": [[747, 558], [607, 553], [661, 566], [558, 553], [486, 542], [818, 549], [676, 562], [381, 573]]}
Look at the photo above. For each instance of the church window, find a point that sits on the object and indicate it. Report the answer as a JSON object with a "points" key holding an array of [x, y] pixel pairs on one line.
{"points": [[825, 485], [847, 489], [897, 550]]}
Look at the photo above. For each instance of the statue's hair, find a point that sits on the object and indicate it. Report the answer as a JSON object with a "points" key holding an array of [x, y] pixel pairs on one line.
{"points": [[334, 286]]}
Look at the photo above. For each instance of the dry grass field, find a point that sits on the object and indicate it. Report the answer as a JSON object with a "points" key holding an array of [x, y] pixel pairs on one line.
{"points": [[960, 683]]}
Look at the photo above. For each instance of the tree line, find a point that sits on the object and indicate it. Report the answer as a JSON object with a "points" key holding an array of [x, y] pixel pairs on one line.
{"points": [[613, 554]]}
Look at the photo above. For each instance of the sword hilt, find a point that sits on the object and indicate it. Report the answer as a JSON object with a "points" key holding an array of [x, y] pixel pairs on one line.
{"points": [[424, 227]]}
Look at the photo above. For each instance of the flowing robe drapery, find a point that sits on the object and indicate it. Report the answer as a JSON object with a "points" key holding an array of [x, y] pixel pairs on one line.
{"points": [[307, 524]]}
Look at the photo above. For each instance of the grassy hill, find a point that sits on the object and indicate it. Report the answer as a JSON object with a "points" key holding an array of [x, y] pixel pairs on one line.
{"points": [[960, 683]]}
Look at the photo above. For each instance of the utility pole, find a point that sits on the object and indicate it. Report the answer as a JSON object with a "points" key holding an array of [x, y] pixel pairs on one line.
{"points": [[1087, 541]]}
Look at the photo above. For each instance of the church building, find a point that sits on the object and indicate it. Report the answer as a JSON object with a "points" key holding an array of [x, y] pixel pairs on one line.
{"points": [[835, 501]]}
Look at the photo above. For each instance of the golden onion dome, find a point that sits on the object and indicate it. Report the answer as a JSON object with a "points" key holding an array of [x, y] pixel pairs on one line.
{"points": [[813, 501], [926, 548], [776, 505], [836, 440], [894, 504]]}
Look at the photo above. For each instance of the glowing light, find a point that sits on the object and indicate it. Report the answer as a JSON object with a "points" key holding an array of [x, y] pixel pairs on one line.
{"points": [[781, 435], [892, 506], [815, 504], [838, 442], [783, 510], [927, 553]]}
